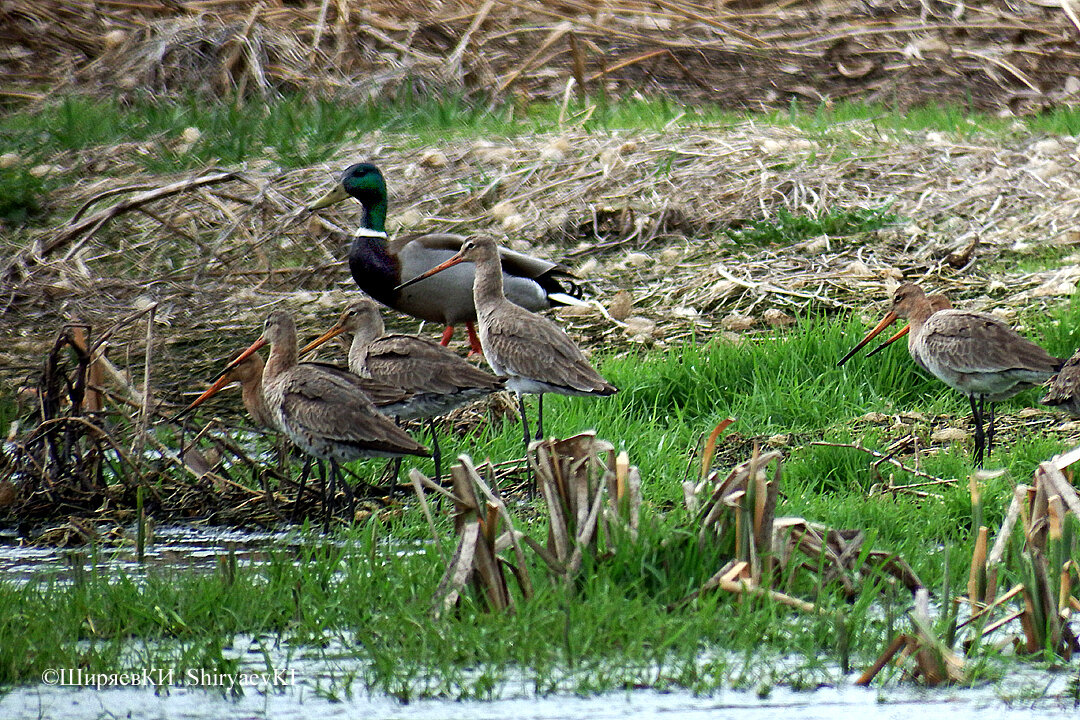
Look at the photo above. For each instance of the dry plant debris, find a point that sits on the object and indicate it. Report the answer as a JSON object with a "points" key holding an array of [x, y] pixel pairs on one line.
{"points": [[1016, 55], [1047, 599], [214, 250], [593, 498], [211, 251], [478, 513], [91, 450], [934, 662], [592, 495], [742, 506]]}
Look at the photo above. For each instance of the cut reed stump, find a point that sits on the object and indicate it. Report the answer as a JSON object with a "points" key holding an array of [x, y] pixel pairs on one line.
{"points": [[1043, 509], [593, 499], [933, 660], [476, 563], [1043, 604], [736, 516]]}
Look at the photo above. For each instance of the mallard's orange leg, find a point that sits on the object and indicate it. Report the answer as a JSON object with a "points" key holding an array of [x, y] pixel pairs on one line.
{"points": [[474, 339]]}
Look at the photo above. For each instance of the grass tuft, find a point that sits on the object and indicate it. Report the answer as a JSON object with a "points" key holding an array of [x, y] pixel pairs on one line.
{"points": [[788, 228]]}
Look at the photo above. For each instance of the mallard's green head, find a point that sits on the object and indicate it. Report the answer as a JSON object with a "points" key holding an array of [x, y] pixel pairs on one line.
{"points": [[362, 181]]}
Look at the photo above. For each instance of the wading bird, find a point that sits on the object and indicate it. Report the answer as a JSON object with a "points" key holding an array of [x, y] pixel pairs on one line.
{"points": [[974, 353], [439, 380], [248, 371], [249, 374], [532, 352], [324, 410], [380, 265], [1064, 391]]}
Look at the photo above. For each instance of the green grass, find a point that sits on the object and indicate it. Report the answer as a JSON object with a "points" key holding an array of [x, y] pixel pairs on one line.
{"points": [[1036, 258], [949, 119], [612, 629], [1059, 329], [297, 131], [293, 131], [22, 196], [788, 228]]}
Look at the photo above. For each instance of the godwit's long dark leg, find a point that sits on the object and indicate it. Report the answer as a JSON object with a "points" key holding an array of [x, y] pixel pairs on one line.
{"points": [[989, 428], [540, 416], [346, 489], [326, 499], [396, 462], [524, 419], [436, 452], [283, 455], [298, 504], [977, 418]]}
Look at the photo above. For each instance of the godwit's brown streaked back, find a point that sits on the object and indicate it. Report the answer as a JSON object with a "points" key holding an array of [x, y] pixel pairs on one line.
{"points": [[974, 353], [388, 399], [439, 380], [324, 410], [532, 352], [379, 265], [1064, 390]]}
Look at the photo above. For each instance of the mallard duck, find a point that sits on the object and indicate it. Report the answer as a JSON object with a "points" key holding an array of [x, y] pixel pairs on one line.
{"points": [[379, 265]]}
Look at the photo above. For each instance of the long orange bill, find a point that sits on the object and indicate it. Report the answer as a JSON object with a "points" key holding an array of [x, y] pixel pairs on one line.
{"points": [[328, 335], [900, 333], [255, 346], [886, 321], [210, 392], [451, 262], [222, 381]]}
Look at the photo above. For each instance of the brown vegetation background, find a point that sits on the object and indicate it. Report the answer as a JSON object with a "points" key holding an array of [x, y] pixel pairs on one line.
{"points": [[160, 277], [1022, 56]]}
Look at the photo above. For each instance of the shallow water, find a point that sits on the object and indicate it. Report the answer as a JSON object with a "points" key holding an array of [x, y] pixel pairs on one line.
{"points": [[317, 682], [180, 545], [302, 700]]}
